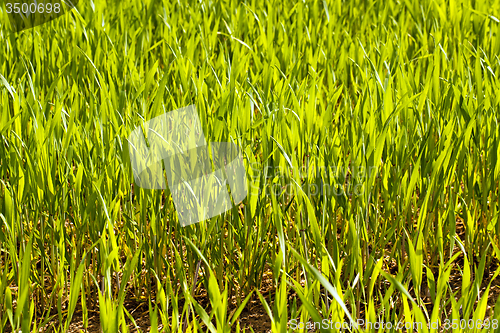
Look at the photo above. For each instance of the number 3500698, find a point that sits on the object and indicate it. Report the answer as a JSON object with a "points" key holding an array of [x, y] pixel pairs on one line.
{"points": [[41, 8]]}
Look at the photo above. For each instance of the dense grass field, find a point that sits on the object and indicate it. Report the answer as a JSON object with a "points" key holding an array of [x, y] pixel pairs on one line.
{"points": [[370, 136]]}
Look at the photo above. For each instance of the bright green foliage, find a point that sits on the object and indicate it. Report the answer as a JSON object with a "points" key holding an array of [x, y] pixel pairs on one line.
{"points": [[392, 101]]}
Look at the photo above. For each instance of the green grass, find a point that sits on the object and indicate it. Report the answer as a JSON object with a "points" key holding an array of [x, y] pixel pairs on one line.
{"points": [[397, 98]]}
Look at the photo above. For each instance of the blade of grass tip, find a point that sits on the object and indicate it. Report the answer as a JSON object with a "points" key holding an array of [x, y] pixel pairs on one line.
{"points": [[10, 89], [285, 155]]}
